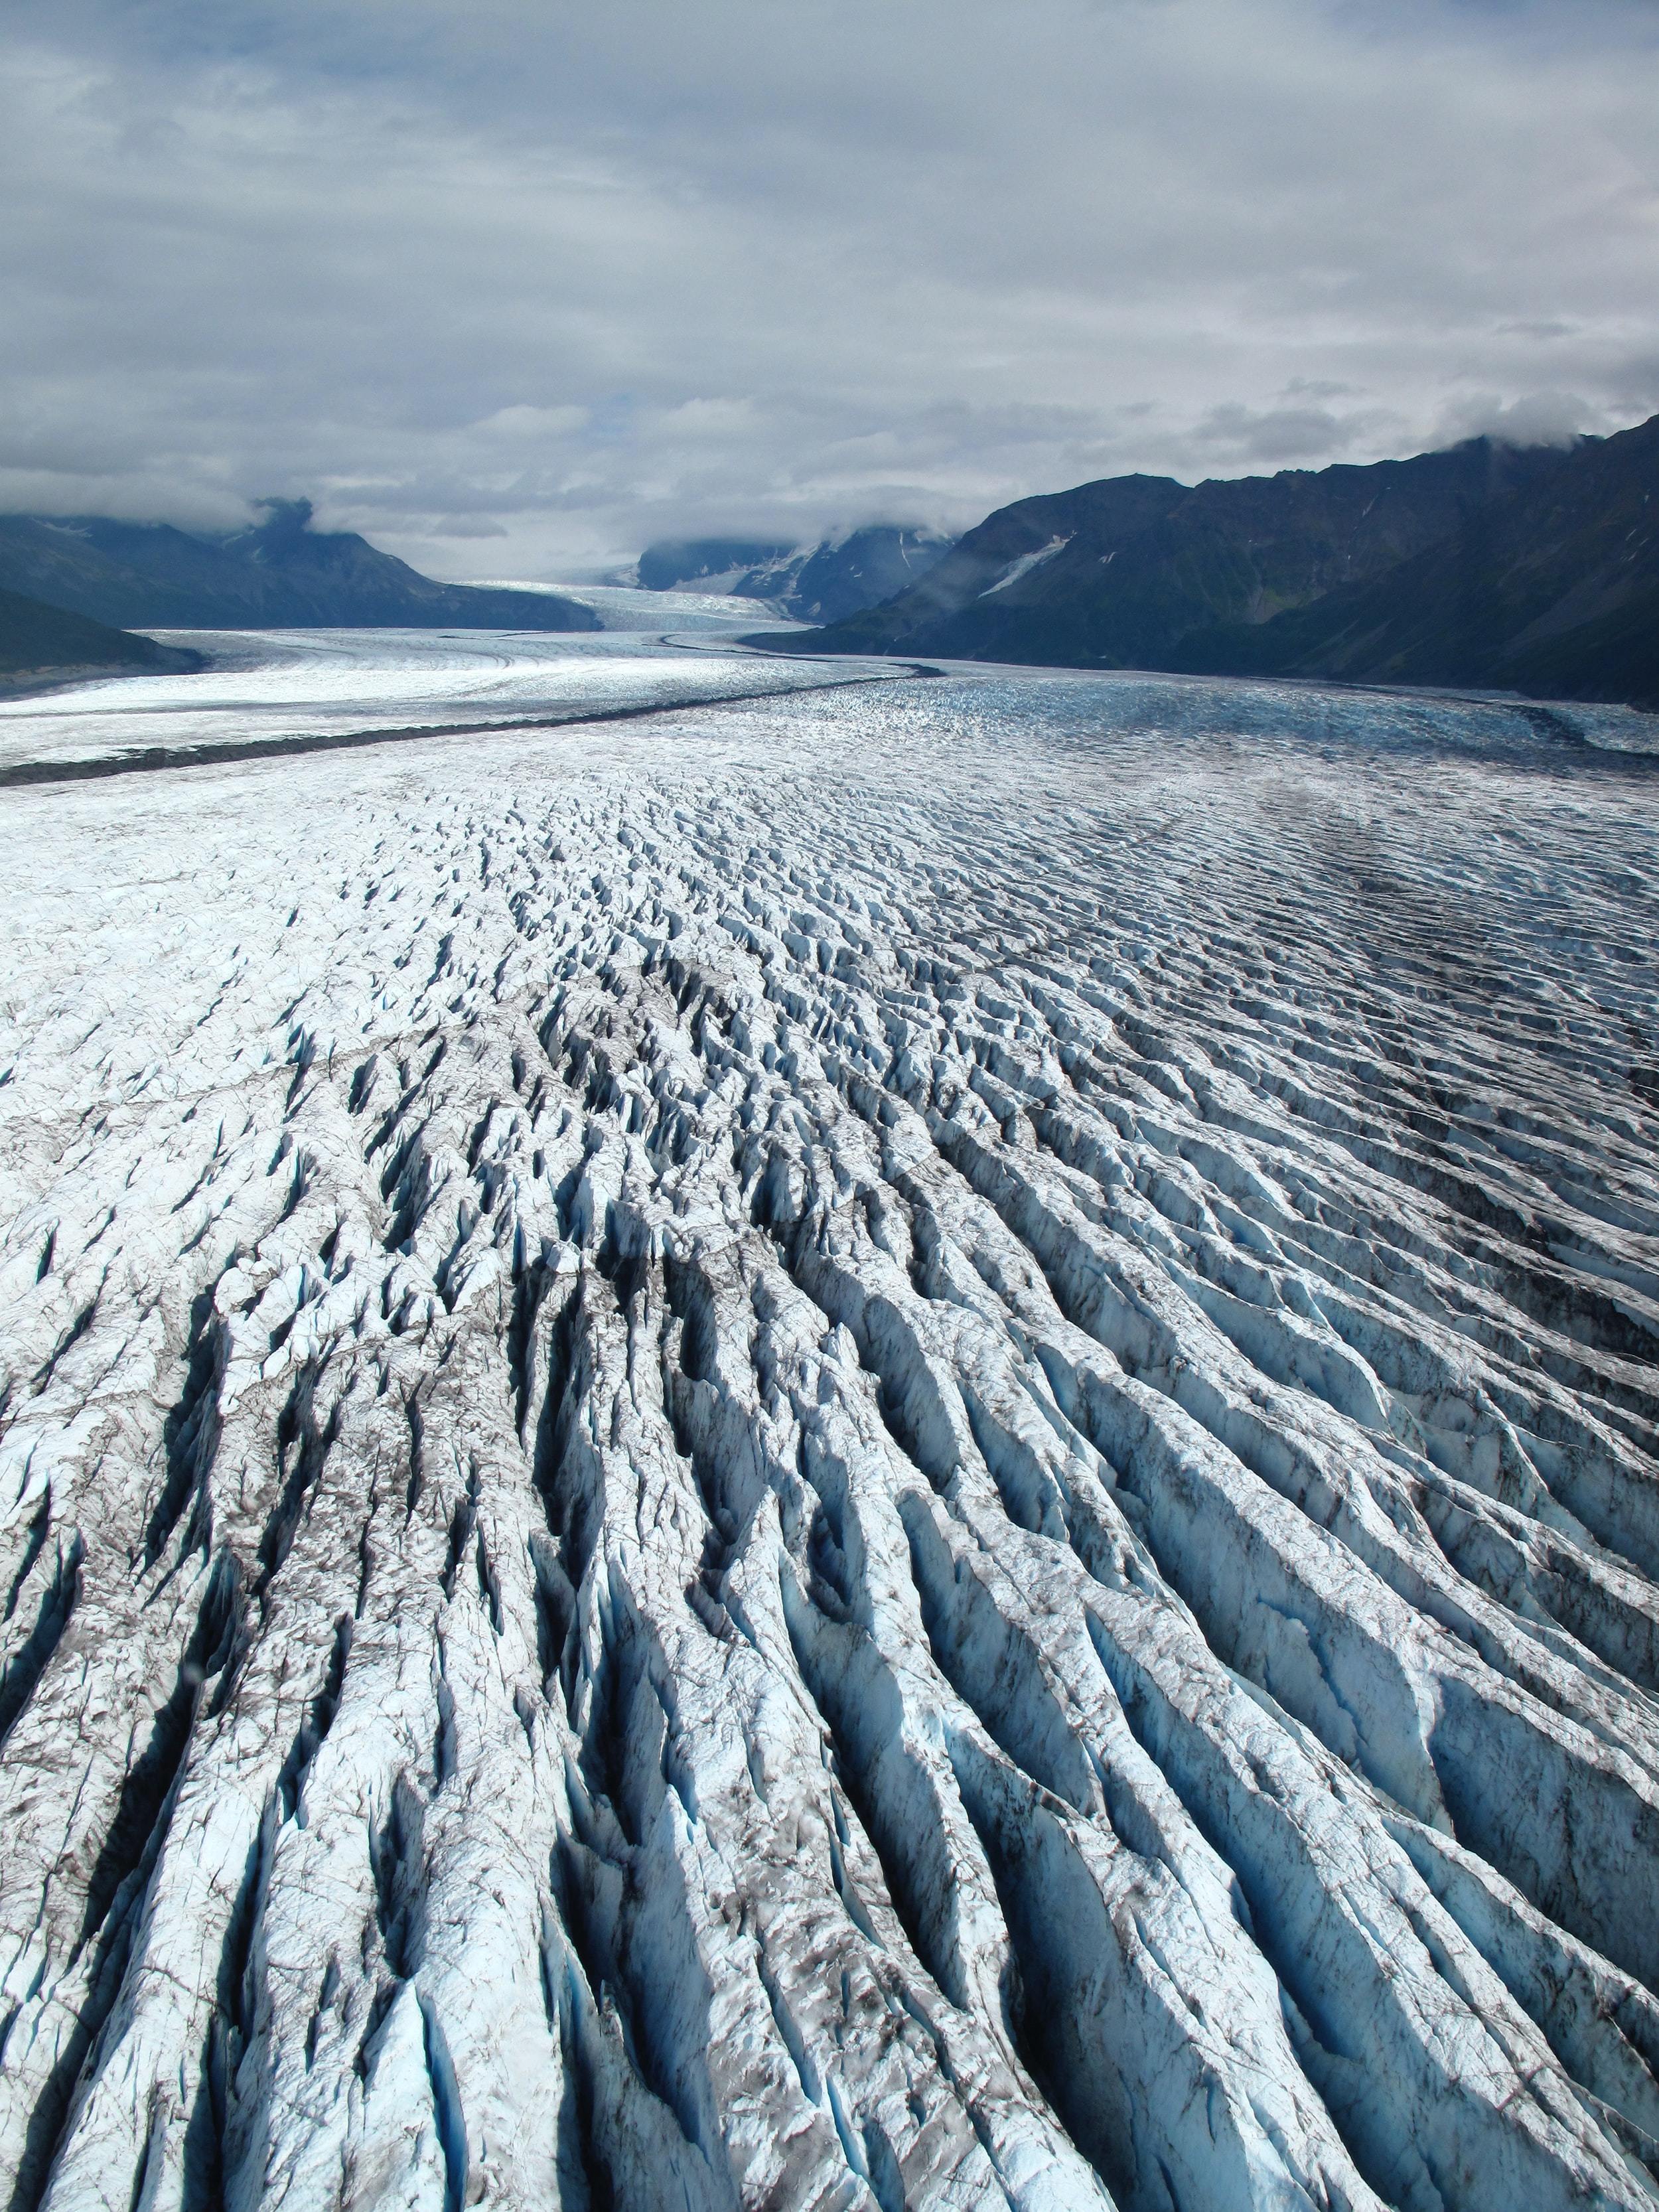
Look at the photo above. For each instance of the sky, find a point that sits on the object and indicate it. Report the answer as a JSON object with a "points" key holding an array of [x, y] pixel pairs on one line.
{"points": [[517, 287]]}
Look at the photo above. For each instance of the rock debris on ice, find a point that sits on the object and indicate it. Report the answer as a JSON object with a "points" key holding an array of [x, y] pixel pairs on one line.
{"points": [[884, 1450]]}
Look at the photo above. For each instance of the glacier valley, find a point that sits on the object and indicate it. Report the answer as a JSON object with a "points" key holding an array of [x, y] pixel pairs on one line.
{"points": [[783, 1434]]}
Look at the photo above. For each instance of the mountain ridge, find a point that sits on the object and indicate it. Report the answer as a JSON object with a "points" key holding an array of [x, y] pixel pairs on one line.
{"points": [[277, 573], [824, 581], [1115, 572], [1483, 565], [1554, 592], [42, 645]]}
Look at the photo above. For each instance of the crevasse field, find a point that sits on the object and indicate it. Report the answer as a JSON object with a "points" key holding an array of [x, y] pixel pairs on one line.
{"points": [[887, 1440]]}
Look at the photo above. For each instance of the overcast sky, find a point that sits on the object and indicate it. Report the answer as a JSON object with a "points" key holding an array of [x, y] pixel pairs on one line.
{"points": [[516, 286]]}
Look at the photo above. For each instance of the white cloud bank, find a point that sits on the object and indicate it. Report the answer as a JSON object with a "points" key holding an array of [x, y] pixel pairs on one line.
{"points": [[518, 287]]}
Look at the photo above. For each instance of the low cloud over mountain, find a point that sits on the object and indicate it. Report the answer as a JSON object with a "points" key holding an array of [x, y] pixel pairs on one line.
{"points": [[565, 282]]}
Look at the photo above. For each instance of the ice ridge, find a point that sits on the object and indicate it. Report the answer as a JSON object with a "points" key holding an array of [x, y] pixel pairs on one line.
{"points": [[748, 1486]]}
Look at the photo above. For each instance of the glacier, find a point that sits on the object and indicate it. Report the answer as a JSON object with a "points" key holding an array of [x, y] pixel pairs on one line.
{"points": [[888, 1446]]}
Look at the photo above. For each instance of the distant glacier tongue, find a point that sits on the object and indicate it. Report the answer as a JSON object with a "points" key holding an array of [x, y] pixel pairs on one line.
{"points": [[888, 1448]]}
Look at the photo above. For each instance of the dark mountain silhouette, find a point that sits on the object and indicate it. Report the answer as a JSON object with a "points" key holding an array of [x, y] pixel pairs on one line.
{"points": [[43, 643], [1552, 590], [1482, 567], [278, 574], [1125, 573]]}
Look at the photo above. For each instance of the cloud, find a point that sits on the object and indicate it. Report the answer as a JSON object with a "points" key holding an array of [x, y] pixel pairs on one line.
{"points": [[1281, 436], [1536, 418], [582, 277], [465, 526]]}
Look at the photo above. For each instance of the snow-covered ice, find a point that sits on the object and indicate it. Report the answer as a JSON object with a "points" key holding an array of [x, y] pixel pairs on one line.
{"points": [[892, 1447], [288, 688]]}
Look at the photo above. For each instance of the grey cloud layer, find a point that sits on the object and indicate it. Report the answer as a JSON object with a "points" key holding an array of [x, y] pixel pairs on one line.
{"points": [[528, 286]]}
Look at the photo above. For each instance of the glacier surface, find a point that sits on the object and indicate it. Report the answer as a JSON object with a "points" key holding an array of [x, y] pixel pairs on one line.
{"points": [[889, 1448]]}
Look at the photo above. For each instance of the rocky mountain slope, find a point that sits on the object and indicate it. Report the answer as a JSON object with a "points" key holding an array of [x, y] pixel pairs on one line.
{"points": [[1534, 571], [821, 582], [39, 643], [709, 564], [1124, 573], [893, 1449], [278, 574], [1552, 589]]}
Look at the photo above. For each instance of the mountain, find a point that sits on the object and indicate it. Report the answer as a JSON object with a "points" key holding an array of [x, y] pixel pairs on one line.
{"points": [[838, 576], [1123, 573], [710, 564], [1552, 590], [278, 574], [41, 642]]}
